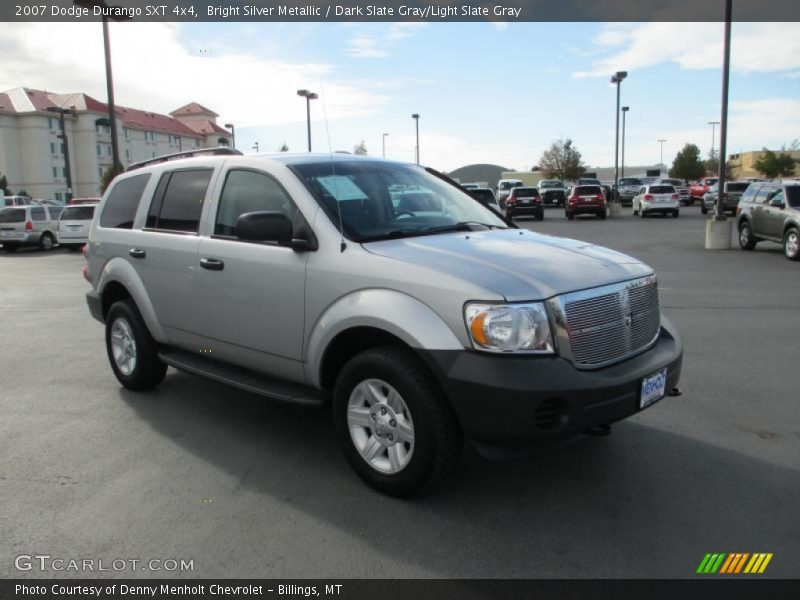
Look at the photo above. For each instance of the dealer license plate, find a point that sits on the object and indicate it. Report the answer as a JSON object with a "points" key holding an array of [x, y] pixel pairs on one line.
{"points": [[653, 388], [6, 233]]}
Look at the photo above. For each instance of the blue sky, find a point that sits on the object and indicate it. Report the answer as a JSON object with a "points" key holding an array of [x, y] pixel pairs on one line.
{"points": [[485, 93]]}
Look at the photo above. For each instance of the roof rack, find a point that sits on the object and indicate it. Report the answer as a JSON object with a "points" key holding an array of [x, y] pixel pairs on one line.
{"points": [[218, 151]]}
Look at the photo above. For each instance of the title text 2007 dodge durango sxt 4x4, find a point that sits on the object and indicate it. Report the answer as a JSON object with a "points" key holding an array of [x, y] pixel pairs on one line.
{"points": [[423, 316]]}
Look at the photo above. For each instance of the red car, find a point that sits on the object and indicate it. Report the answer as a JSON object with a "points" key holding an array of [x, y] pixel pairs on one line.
{"points": [[586, 199], [524, 201], [700, 187]]}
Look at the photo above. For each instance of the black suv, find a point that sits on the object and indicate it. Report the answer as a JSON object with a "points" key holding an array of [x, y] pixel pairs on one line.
{"points": [[770, 211]]}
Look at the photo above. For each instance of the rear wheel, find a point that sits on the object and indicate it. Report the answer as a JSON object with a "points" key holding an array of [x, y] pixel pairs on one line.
{"points": [[569, 215], [46, 242], [395, 426], [791, 244], [131, 349], [602, 215], [746, 239]]}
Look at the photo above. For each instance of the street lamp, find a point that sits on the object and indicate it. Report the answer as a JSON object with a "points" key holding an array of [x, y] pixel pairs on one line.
{"points": [[625, 110], [415, 116], [617, 79], [116, 166], [662, 152], [63, 137], [233, 134], [383, 143], [255, 146], [713, 136], [309, 96]]}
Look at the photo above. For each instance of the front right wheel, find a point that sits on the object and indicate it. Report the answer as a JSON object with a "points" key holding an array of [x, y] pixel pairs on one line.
{"points": [[394, 424]]}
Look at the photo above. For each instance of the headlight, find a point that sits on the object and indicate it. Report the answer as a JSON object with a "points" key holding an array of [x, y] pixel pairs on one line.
{"points": [[509, 327]]}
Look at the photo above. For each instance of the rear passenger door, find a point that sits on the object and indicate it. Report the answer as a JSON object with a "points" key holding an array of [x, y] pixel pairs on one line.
{"points": [[165, 253], [761, 211], [251, 295]]}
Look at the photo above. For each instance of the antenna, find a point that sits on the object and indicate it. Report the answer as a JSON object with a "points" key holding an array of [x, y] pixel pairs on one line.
{"points": [[342, 244]]}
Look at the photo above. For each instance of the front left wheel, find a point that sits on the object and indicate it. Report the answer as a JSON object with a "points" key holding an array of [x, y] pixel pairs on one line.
{"points": [[791, 244], [132, 351], [394, 424]]}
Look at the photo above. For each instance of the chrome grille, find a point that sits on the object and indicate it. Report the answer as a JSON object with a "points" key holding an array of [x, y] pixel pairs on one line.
{"points": [[608, 324]]}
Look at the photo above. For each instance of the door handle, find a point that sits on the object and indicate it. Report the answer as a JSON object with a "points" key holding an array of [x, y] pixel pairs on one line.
{"points": [[212, 264], [137, 253]]}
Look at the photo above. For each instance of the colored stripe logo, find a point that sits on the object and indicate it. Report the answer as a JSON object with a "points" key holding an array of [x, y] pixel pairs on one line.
{"points": [[734, 563]]}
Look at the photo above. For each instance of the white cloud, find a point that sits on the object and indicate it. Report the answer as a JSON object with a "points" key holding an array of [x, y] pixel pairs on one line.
{"points": [[755, 47], [154, 70], [369, 45]]}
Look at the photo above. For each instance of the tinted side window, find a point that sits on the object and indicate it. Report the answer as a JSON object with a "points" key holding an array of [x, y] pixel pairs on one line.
{"points": [[54, 211], [761, 197], [180, 206], [248, 191], [120, 208], [750, 193], [37, 214]]}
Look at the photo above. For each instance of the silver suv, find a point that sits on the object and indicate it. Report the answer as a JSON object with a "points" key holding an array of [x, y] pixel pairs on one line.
{"points": [[770, 211], [31, 225], [381, 288]]}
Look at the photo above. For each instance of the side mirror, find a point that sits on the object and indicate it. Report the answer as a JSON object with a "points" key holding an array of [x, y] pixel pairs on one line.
{"points": [[777, 202], [264, 226]]}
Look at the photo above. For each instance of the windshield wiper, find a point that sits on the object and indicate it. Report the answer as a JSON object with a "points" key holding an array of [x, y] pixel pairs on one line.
{"points": [[460, 226]]}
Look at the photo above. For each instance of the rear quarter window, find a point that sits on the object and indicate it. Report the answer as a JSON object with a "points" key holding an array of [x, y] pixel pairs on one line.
{"points": [[123, 201]]}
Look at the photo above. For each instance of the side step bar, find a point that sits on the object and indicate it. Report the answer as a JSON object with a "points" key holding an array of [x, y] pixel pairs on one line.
{"points": [[242, 378]]}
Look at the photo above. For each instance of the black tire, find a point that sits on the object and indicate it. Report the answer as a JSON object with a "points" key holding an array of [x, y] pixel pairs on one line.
{"points": [[46, 242], [148, 371], [437, 435], [74, 247], [10, 249], [602, 215], [676, 214], [703, 209], [540, 216], [642, 214], [791, 238], [746, 239], [569, 215]]}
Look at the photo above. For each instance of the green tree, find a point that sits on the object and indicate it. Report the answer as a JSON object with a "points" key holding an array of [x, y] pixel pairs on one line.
{"points": [[712, 162], [772, 164], [22, 193], [360, 148], [688, 165], [562, 161], [106, 180], [4, 185]]}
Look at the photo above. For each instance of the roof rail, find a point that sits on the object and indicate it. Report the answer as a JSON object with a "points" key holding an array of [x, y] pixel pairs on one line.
{"points": [[218, 151]]}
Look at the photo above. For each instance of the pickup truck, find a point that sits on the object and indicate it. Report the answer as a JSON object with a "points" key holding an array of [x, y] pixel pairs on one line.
{"points": [[701, 187]]}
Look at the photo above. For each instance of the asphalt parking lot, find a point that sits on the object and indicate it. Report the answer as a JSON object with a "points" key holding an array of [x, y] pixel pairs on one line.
{"points": [[249, 488]]}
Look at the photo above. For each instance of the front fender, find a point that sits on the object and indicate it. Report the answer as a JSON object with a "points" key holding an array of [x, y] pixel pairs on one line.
{"points": [[119, 270], [396, 313]]}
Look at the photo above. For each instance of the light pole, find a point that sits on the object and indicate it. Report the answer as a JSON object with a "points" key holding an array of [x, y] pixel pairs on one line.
{"points": [[383, 143], [116, 165], [63, 137], [415, 116], [255, 146], [625, 110], [713, 135], [309, 96], [617, 78], [662, 152], [233, 134]]}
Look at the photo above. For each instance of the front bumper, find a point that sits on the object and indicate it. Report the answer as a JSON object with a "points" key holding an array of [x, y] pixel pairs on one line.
{"points": [[509, 398]]}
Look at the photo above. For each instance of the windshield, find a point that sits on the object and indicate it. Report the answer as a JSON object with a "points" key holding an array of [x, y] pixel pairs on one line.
{"points": [[380, 200], [78, 213], [630, 181], [12, 215], [552, 184]]}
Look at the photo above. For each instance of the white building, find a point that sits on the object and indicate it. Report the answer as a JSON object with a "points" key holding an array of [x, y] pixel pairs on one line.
{"points": [[32, 154]]}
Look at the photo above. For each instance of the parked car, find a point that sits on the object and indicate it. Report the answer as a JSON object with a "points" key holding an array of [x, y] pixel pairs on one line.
{"points": [[655, 198], [26, 226], [525, 201], [628, 188], [586, 199], [733, 193], [770, 212], [470, 186], [680, 187], [74, 224], [486, 197], [701, 187], [503, 189], [17, 201], [553, 192], [417, 330]]}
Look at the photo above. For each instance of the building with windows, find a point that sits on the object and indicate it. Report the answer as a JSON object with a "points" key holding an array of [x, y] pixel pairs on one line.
{"points": [[32, 151], [743, 164]]}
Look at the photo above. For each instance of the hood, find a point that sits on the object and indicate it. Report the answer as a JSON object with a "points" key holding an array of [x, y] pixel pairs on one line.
{"points": [[516, 263]]}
